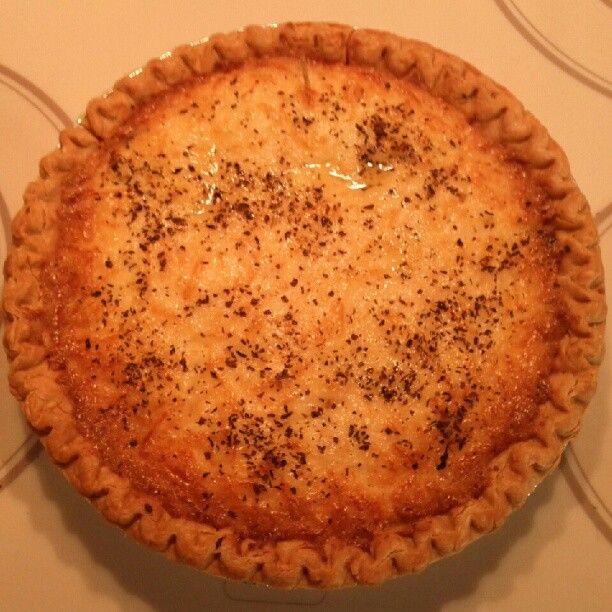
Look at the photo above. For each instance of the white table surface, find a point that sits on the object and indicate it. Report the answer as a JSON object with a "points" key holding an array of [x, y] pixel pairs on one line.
{"points": [[553, 554]]}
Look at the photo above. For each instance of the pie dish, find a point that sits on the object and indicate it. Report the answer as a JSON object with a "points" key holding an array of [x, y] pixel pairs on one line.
{"points": [[305, 305]]}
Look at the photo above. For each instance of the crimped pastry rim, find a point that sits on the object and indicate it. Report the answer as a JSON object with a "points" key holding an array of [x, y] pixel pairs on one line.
{"points": [[503, 120]]}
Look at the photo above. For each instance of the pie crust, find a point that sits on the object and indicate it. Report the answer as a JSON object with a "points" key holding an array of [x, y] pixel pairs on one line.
{"points": [[400, 424]]}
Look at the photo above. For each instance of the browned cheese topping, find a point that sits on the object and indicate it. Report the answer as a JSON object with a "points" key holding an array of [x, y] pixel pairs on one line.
{"points": [[303, 309]]}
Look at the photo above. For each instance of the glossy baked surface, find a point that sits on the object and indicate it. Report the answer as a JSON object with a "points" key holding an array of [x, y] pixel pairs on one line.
{"points": [[303, 301]]}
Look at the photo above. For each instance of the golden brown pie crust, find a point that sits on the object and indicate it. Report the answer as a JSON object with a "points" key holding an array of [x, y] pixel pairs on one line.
{"points": [[281, 516]]}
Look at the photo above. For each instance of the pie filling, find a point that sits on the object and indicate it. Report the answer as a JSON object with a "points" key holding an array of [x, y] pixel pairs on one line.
{"points": [[303, 301]]}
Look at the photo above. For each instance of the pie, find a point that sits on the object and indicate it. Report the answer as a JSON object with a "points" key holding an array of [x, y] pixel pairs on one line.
{"points": [[305, 305]]}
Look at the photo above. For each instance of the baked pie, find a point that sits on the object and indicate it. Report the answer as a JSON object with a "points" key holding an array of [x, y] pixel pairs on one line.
{"points": [[305, 305]]}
